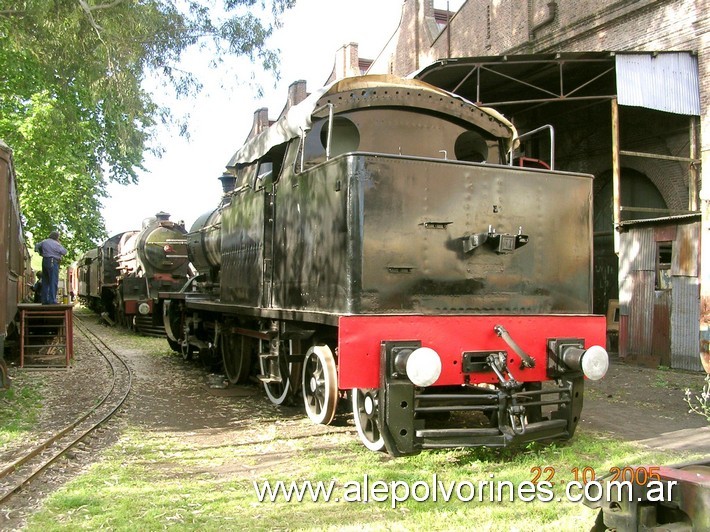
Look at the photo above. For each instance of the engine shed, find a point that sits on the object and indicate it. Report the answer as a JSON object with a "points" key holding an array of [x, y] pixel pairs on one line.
{"points": [[631, 120]]}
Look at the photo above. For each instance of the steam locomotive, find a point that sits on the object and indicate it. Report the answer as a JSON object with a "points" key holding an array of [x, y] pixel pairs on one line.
{"points": [[375, 242], [123, 276], [15, 269]]}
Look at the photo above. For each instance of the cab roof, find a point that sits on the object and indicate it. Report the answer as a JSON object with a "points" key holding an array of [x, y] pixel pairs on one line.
{"points": [[368, 92]]}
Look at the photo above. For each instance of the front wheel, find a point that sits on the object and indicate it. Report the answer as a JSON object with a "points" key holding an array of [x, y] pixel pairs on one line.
{"points": [[172, 321], [236, 357], [320, 384], [365, 412]]}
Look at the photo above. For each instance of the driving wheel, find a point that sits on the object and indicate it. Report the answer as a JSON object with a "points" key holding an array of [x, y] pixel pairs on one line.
{"points": [[320, 384], [276, 376]]}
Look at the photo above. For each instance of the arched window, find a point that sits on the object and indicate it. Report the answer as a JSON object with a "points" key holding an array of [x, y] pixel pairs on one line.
{"points": [[471, 146], [344, 138]]}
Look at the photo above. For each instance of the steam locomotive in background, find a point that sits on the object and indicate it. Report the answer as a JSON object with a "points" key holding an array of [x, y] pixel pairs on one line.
{"points": [[374, 242], [15, 269], [123, 276]]}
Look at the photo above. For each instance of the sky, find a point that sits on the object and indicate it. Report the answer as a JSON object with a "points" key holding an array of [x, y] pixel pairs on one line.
{"points": [[184, 181]]}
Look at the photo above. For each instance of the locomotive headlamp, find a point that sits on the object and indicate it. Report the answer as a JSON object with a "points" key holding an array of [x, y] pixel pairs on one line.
{"points": [[422, 366], [144, 309], [594, 362]]}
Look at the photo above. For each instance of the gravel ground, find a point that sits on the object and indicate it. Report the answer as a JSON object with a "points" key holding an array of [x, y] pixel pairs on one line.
{"points": [[68, 393], [647, 405], [171, 395]]}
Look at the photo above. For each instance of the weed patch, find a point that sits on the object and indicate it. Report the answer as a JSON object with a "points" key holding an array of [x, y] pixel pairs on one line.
{"points": [[20, 406]]}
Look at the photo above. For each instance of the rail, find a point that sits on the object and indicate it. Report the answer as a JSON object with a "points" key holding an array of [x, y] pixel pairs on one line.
{"points": [[33, 462]]}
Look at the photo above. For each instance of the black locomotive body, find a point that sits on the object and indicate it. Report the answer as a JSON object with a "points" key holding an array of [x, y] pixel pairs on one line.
{"points": [[97, 276], [124, 275], [15, 270], [375, 242]]}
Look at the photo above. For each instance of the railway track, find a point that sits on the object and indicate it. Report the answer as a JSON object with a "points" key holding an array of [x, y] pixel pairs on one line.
{"points": [[39, 459]]}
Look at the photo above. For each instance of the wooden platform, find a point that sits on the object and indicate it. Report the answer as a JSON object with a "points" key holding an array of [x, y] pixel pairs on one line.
{"points": [[46, 335]]}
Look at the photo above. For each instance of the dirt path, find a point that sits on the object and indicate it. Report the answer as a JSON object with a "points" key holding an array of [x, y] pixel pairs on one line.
{"points": [[647, 406]]}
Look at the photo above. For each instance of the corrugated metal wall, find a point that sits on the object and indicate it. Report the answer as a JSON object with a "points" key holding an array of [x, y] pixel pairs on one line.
{"points": [[660, 323], [686, 251], [685, 318], [640, 340], [685, 324]]}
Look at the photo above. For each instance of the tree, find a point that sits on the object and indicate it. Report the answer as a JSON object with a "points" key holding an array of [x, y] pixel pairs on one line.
{"points": [[72, 102]]}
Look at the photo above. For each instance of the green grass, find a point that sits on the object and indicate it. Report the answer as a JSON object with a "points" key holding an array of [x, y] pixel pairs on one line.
{"points": [[20, 407], [661, 382], [151, 481]]}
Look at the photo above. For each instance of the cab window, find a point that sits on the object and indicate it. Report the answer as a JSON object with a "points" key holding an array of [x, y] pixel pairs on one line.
{"points": [[268, 168], [345, 138]]}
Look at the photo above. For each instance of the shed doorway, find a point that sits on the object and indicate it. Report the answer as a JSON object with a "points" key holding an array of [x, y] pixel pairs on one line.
{"points": [[640, 199]]}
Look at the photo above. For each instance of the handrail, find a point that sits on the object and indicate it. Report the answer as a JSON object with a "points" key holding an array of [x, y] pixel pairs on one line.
{"points": [[552, 142], [330, 134], [330, 127]]}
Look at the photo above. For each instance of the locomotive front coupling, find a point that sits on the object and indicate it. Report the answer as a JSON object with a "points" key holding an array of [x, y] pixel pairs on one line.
{"points": [[513, 411]]}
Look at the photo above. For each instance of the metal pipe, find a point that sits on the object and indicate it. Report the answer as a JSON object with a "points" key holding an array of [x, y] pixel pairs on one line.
{"points": [[303, 148], [448, 30], [552, 142], [330, 127], [693, 170], [615, 172], [549, 19], [526, 359], [659, 156]]}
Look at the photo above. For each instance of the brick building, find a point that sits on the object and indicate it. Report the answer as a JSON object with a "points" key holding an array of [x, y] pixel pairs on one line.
{"points": [[627, 84]]}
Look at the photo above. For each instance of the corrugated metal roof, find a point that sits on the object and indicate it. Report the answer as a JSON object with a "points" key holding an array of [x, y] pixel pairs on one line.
{"points": [[689, 217], [666, 81]]}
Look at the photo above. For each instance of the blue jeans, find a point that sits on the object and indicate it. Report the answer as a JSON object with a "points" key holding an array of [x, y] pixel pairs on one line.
{"points": [[50, 280]]}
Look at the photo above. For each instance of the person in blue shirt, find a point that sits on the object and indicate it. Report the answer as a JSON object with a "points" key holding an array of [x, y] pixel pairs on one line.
{"points": [[52, 252]]}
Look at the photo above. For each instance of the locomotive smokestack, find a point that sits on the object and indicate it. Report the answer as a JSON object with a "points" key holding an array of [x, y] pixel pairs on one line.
{"points": [[228, 182], [162, 216]]}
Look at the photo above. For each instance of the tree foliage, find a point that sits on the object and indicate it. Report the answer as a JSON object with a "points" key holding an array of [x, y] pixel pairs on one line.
{"points": [[72, 100]]}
